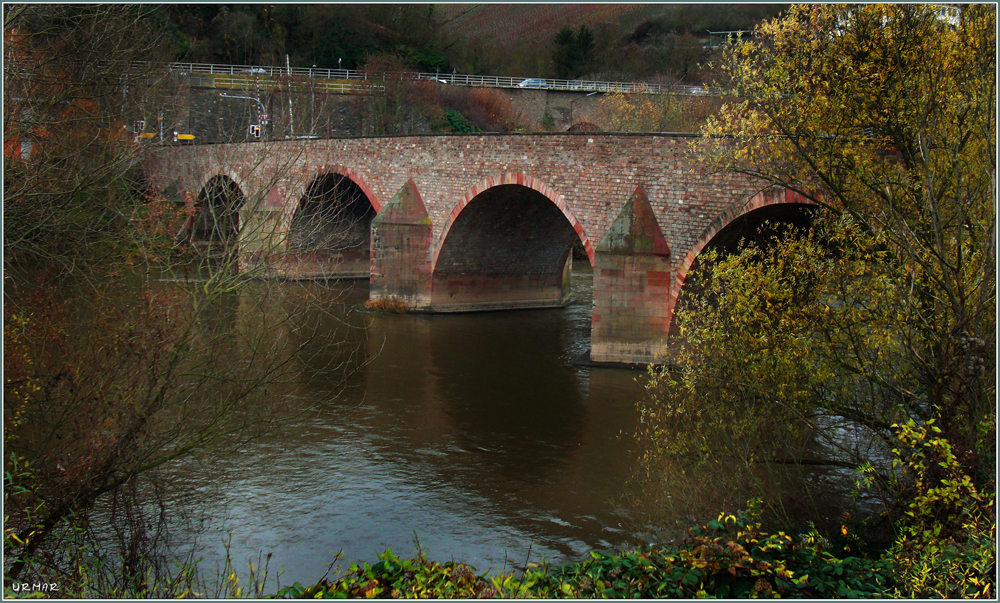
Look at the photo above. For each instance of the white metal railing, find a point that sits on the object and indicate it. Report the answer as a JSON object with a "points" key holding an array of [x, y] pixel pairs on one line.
{"points": [[244, 72]]}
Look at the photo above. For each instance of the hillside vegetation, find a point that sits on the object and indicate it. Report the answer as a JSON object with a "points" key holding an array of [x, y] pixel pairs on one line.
{"points": [[630, 41]]}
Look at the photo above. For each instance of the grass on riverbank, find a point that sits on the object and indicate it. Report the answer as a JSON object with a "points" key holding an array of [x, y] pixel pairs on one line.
{"points": [[730, 557]]}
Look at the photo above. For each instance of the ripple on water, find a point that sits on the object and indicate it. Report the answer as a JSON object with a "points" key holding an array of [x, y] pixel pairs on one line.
{"points": [[476, 432]]}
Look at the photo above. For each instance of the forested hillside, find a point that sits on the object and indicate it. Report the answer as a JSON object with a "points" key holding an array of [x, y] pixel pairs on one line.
{"points": [[619, 41]]}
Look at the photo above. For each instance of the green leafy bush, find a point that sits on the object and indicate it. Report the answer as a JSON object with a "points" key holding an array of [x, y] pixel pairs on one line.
{"points": [[729, 558], [457, 122], [392, 577], [947, 547]]}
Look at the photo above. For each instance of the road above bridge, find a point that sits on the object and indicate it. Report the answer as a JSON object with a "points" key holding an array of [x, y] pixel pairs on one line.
{"points": [[477, 222]]}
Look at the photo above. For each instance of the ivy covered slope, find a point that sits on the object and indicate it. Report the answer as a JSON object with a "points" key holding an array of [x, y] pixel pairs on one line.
{"points": [[517, 40]]}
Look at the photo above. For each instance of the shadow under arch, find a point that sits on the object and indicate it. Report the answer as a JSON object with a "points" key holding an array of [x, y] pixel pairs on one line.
{"points": [[216, 218], [328, 226], [777, 206], [526, 181], [507, 244]]}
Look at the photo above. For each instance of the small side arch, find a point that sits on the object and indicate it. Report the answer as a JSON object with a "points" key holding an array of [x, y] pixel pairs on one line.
{"points": [[210, 175], [335, 169], [216, 210], [327, 225]]}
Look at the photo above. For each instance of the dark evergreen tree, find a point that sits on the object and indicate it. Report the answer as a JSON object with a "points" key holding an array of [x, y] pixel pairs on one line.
{"points": [[585, 47], [563, 53], [573, 52]]}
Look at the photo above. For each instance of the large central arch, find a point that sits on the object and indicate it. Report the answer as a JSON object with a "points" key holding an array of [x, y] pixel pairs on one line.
{"points": [[507, 245]]}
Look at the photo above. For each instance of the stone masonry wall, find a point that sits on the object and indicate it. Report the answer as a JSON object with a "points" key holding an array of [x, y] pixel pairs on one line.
{"points": [[199, 108]]}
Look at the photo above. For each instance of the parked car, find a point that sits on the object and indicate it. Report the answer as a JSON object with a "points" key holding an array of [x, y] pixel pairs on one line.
{"points": [[532, 82]]}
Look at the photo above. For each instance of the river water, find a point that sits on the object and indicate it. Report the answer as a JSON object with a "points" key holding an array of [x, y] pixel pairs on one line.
{"points": [[479, 435]]}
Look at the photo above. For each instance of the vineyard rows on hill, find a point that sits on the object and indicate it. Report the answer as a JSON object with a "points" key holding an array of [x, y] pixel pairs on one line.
{"points": [[526, 24]]}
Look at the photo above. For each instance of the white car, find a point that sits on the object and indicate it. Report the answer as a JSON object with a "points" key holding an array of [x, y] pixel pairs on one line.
{"points": [[532, 82], [255, 70]]}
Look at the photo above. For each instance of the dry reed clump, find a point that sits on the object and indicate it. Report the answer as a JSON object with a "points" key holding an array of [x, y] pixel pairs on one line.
{"points": [[390, 305]]}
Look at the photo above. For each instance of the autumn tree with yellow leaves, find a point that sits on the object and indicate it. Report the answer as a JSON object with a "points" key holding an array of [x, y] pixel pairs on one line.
{"points": [[819, 349], [636, 111]]}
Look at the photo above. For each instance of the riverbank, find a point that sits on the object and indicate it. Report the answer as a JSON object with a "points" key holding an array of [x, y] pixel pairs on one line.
{"points": [[729, 558]]}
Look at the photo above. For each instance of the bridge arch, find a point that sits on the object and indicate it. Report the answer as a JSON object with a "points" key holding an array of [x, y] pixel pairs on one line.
{"points": [[210, 175], [506, 244], [513, 178], [339, 170], [217, 209], [785, 204], [328, 224]]}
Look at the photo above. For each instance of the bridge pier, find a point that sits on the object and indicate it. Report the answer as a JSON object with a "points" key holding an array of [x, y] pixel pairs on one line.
{"points": [[401, 245], [631, 288], [631, 278], [261, 237]]}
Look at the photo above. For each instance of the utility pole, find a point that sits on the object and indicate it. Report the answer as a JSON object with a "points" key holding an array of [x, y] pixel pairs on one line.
{"points": [[291, 120]]}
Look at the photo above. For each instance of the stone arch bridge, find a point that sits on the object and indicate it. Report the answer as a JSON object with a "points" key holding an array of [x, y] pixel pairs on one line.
{"points": [[477, 222]]}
